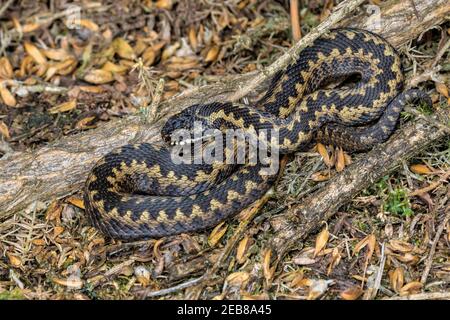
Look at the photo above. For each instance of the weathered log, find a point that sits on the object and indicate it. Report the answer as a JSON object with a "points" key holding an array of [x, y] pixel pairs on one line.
{"points": [[60, 168]]}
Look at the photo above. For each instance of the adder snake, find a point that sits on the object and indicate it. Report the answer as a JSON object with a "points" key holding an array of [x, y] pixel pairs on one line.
{"points": [[138, 192]]}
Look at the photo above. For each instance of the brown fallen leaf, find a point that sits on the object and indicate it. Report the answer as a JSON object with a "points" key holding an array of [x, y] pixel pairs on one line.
{"points": [[322, 150], [217, 234], [77, 202], [98, 76], [340, 160], [88, 24], [71, 282], [193, 38], [57, 231], [14, 260], [242, 248], [6, 69], [7, 96], [320, 176], [351, 293], [410, 288], [35, 53], [238, 279], [123, 49], [63, 107], [420, 169], [212, 54], [56, 54], [396, 279], [4, 131], [268, 270], [442, 89], [321, 240]]}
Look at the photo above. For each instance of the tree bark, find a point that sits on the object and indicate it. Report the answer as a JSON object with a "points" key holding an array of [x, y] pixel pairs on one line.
{"points": [[60, 168]]}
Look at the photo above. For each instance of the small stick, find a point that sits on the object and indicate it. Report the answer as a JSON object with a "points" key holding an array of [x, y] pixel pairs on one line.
{"points": [[432, 186], [5, 7], [423, 296], [149, 294], [295, 21], [429, 262]]}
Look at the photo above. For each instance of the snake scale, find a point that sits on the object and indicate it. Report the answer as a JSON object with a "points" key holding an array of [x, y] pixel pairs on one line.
{"points": [[137, 192]]}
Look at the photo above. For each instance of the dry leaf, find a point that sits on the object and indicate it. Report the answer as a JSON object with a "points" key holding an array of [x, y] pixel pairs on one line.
{"points": [[193, 38], [352, 293], [320, 176], [297, 280], [123, 49], [149, 56], [317, 288], [57, 231], [335, 259], [242, 248], [53, 211], [268, 270], [114, 68], [371, 243], [30, 27], [56, 54], [212, 54], [411, 287], [83, 122], [360, 245], [396, 279], [14, 260], [88, 24], [442, 89], [77, 202], [321, 240], [71, 282], [35, 53], [324, 153], [420, 169], [63, 107], [7, 96], [340, 160], [99, 76], [164, 4], [4, 130], [238, 279], [400, 246], [217, 234], [6, 69], [38, 242], [92, 89], [169, 51]]}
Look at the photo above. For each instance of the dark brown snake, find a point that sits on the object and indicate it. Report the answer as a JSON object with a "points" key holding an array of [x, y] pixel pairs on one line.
{"points": [[138, 192]]}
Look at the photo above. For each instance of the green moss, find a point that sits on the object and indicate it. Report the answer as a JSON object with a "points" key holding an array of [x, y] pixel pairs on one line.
{"points": [[15, 294], [397, 202]]}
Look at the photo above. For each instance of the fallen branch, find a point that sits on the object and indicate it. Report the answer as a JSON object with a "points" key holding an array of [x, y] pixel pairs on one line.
{"points": [[304, 219]]}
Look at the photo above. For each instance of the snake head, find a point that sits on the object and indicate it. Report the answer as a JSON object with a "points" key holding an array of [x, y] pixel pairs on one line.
{"points": [[186, 126]]}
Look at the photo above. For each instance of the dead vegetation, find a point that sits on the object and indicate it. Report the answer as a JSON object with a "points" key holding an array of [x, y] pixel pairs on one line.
{"points": [[62, 73]]}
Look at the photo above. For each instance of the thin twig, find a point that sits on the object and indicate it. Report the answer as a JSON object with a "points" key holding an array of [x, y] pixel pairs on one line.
{"points": [[372, 292], [429, 260], [149, 294], [423, 296], [5, 7], [432, 186], [295, 21]]}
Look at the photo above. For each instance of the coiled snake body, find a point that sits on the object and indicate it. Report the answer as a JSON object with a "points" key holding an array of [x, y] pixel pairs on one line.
{"points": [[137, 192]]}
